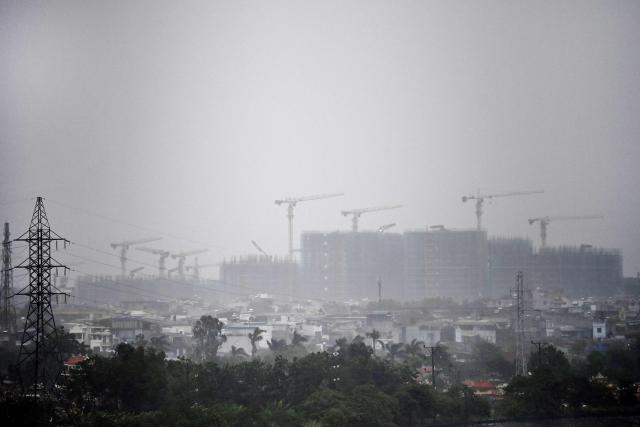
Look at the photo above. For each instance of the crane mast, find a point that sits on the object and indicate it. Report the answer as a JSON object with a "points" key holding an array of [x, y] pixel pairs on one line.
{"points": [[545, 220], [357, 213], [162, 256], [196, 268], [181, 257], [291, 203], [124, 248], [480, 198]]}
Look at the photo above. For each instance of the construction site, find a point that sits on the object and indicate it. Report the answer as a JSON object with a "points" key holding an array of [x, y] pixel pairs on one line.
{"points": [[367, 265]]}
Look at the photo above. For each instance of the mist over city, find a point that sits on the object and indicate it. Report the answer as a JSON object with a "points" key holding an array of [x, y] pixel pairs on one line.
{"points": [[407, 213]]}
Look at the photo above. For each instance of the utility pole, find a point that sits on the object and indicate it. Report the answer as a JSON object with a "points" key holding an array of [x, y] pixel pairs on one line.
{"points": [[379, 291], [8, 314], [521, 358], [40, 335], [539, 344]]}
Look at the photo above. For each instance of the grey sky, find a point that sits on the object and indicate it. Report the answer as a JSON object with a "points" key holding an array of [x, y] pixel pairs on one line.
{"points": [[192, 117]]}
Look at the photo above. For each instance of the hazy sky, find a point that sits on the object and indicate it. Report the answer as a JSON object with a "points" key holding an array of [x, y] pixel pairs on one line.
{"points": [[190, 118]]}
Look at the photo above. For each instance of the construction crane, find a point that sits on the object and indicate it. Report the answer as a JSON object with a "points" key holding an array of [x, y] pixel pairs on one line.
{"points": [[132, 273], [162, 256], [480, 198], [196, 268], [124, 248], [356, 213], [181, 258], [545, 220], [291, 203], [257, 246], [385, 227]]}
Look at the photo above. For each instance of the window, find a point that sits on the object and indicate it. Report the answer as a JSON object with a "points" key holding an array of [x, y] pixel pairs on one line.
{"points": [[599, 330]]}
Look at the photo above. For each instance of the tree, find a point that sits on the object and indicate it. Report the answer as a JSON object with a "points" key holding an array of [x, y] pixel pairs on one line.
{"points": [[487, 359], [140, 341], [298, 339], [395, 350], [417, 403], [160, 343], [375, 336], [255, 337], [238, 352], [133, 380], [277, 345], [414, 348], [208, 333]]}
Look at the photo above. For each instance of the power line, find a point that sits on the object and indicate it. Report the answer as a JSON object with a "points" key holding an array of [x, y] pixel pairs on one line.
{"points": [[140, 227]]}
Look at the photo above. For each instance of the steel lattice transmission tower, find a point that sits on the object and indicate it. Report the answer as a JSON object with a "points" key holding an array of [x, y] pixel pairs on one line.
{"points": [[40, 335], [8, 314], [521, 358]]}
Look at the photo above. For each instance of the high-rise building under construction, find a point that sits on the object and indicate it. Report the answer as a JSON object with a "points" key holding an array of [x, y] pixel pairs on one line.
{"points": [[349, 265]]}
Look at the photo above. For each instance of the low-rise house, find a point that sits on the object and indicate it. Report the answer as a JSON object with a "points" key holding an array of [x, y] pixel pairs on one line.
{"points": [[126, 329], [97, 338], [429, 333], [467, 330], [485, 388]]}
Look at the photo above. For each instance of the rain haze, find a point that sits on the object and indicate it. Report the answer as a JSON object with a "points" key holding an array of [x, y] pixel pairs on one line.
{"points": [[320, 213], [190, 119]]}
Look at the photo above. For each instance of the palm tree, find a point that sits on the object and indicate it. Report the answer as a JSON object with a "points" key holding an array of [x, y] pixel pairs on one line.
{"points": [[414, 348], [375, 336], [255, 337], [298, 339], [394, 350], [237, 352]]}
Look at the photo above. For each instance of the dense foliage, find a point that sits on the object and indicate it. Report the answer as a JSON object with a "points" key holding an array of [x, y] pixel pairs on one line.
{"points": [[350, 385]]}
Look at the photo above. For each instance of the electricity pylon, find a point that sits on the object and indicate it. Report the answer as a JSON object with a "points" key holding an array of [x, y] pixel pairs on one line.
{"points": [[40, 335], [521, 357]]}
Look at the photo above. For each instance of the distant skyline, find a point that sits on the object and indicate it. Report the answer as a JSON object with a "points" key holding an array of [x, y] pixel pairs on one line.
{"points": [[191, 118]]}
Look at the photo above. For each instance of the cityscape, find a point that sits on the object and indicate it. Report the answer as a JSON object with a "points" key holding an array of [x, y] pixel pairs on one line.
{"points": [[319, 214]]}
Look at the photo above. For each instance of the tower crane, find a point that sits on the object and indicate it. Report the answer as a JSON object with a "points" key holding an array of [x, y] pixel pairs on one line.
{"points": [[385, 227], [356, 213], [291, 203], [196, 268], [162, 256], [124, 248], [480, 198], [181, 258], [132, 273], [257, 246], [545, 220]]}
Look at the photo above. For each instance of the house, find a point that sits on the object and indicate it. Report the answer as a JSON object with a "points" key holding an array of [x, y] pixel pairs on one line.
{"points": [[97, 338], [429, 333], [485, 389], [466, 330]]}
